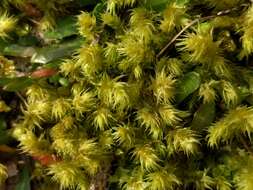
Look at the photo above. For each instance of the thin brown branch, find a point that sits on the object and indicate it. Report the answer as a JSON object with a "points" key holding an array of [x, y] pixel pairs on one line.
{"points": [[21, 97], [181, 32], [221, 13], [176, 37]]}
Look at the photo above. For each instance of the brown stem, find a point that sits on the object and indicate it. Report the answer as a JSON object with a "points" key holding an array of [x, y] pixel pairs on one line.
{"points": [[175, 37], [221, 13], [21, 97]]}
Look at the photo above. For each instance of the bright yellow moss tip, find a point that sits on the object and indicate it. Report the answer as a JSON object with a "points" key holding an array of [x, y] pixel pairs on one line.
{"points": [[7, 24], [3, 173]]}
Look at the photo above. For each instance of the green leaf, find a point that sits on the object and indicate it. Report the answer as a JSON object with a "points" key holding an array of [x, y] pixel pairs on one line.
{"points": [[203, 117], [100, 7], [54, 79], [17, 84], [5, 138], [64, 82], [158, 5], [24, 180], [19, 51], [53, 52], [188, 84], [244, 93], [53, 64], [3, 44], [65, 27], [5, 81], [28, 40]]}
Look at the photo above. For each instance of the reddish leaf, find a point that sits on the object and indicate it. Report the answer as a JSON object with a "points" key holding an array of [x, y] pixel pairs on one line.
{"points": [[46, 72], [46, 159]]}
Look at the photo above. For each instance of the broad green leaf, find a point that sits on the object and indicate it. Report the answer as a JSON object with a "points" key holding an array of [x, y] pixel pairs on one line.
{"points": [[64, 27], [53, 64], [24, 180], [17, 84], [53, 52], [187, 85], [19, 51], [5, 81], [203, 117]]}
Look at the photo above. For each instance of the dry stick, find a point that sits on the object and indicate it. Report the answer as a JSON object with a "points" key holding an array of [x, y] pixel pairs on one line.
{"points": [[182, 31], [21, 97], [175, 37], [221, 13]]}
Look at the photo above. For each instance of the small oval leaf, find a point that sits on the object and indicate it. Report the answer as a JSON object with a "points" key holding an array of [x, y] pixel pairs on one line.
{"points": [[204, 116], [19, 51], [187, 85], [53, 52], [45, 72]]}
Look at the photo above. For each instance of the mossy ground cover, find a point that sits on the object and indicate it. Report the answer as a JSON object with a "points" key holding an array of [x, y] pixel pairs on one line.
{"points": [[126, 94]]}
